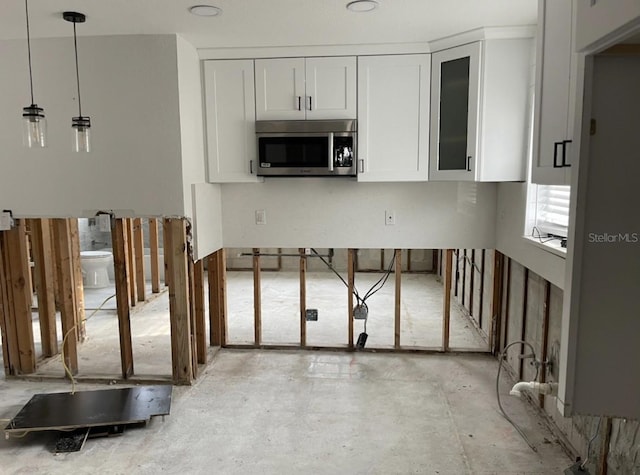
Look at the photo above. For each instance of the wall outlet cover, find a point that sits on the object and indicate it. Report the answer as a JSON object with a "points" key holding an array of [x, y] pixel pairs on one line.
{"points": [[6, 222], [261, 216], [389, 217], [312, 314]]}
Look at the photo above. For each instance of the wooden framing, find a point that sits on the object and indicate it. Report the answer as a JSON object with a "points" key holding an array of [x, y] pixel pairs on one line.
{"points": [[496, 302], [198, 287], [154, 255], [119, 236], [472, 270], [446, 313], [77, 277], [138, 246], [9, 342], [131, 259], [44, 272], [481, 296], [523, 334], [179, 307], [217, 299], [350, 290], [67, 288], [303, 297], [506, 304], [192, 312], [455, 287], [604, 447], [398, 296], [545, 337], [257, 299], [464, 276]]}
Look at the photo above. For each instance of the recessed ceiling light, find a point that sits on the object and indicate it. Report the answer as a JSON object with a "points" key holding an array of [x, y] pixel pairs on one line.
{"points": [[361, 6], [205, 10]]}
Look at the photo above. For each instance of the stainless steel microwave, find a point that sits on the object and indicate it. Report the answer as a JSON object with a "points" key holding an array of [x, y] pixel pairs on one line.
{"points": [[306, 147]]}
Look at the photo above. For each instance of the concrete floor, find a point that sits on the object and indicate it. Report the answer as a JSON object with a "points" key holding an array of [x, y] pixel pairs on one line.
{"points": [[312, 412]]}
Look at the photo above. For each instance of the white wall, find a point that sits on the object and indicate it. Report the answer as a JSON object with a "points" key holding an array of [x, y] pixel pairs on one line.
{"points": [[207, 213], [340, 213], [511, 214], [129, 88], [604, 18], [191, 120]]}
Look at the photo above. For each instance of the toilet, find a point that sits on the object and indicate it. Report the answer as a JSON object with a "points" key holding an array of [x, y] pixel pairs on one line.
{"points": [[95, 265]]}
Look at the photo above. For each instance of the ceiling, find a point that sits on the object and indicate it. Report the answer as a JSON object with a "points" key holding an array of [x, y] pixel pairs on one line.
{"points": [[250, 23]]}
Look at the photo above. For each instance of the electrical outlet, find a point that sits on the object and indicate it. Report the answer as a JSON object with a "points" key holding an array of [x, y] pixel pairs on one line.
{"points": [[261, 216], [389, 217], [5, 221], [312, 315]]}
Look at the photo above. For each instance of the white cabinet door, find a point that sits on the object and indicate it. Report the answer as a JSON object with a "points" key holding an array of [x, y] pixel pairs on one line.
{"points": [[280, 93], [230, 115], [455, 96], [331, 88], [553, 71], [393, 118]]}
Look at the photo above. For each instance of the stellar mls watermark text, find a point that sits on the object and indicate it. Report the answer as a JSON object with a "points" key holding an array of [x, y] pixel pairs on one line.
{"points": [[631, 238]]}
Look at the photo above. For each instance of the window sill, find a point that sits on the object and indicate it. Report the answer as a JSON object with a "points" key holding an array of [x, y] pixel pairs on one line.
{"points": [[552, 246]]}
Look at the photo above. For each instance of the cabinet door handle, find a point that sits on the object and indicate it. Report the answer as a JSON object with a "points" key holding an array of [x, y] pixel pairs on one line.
{"points": [[564, 153], [299, 103], [361, 165], [555, 154], [310, 103], [251, 167], [469, 163], [331, 151]]}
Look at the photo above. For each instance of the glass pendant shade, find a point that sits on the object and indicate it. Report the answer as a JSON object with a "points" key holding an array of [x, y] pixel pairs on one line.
{"points": [[34, 127], [81, 127]]}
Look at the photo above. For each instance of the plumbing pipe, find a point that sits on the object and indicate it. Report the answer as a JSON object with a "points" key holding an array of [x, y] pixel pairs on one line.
{"points": [[541, 388]]}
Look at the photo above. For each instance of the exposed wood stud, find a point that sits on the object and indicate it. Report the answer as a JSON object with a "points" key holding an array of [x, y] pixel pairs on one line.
{"points": [[119, 236], [222, 294], [77, 277], [434, 260], [257, 300], [472, 270], [192, 313], [398, 297], [496, 302], [131, 258], [604, 447], [154, 255], [446, 314], [303, 297], [214, 306], [523, 334], [506, 304], [138, 245], [201, 335], [44, 272], [176, 255], [64, 269], [351, 253], [455, 287], [464, 276], [165, 245], [7, 330], [481, 302], [545, 337]]}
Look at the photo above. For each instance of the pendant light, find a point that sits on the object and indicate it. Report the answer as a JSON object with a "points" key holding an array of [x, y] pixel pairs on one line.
{"points": [[81, 125], [34, 124]]}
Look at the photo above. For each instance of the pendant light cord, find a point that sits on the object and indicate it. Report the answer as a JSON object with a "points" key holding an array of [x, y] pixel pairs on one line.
{"points": [[75, 45], [26, 7]]}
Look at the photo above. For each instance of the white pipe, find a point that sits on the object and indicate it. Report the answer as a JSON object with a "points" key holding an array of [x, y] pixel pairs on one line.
{"points": [[541, 388]]}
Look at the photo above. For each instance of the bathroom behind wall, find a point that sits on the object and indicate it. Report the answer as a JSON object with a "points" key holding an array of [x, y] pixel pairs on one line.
{"points": [[93, 239]]}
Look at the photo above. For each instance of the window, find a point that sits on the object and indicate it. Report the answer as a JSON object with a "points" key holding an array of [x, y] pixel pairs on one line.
{"points": [[551, 213]]}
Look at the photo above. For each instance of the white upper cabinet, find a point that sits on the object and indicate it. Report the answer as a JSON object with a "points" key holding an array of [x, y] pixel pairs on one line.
{"points": [[479, 98], [393, 117], [553, 127], [306, 88], [230, 115]]}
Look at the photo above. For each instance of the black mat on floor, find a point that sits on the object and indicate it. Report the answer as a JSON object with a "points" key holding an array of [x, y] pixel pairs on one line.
{"points": [[107, 407]]}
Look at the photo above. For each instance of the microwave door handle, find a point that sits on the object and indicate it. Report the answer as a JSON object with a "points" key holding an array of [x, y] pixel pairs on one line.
{"points": [[331, 151]]}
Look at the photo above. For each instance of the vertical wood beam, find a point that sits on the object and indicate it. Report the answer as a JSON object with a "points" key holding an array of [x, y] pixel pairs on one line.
{"points": [[350, 287], [154, 255], [464, 276], [496, 302], [66, 284], [446, 313], [472, 269], [192, 312], [604, 447], [77, 276], [398, 297], [222, 294], [523, 333], [176, 255], [457, 271], [131, 259], [7, 328], [165, 245], [303, 297], [138, 246], [506, 304], [201, 337], [545, 337], [215, 333], [119, 237], [257, 300], [481, 302], [434, 260], [44, 271]]}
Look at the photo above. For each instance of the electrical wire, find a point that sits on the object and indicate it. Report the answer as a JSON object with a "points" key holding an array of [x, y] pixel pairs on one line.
{"points": [[502, 357], [595, 436], [67, 370], [539, 236]]}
